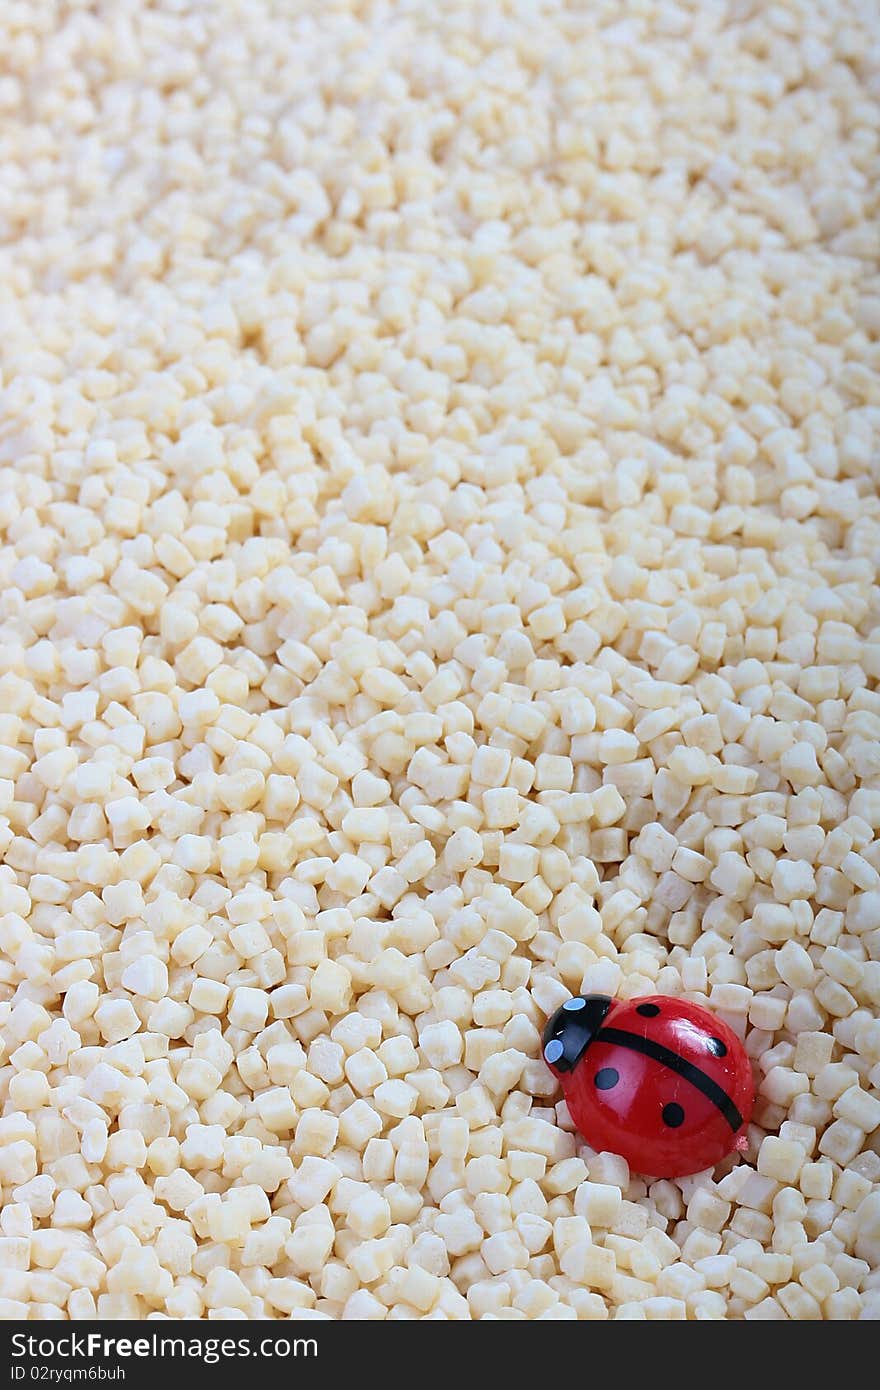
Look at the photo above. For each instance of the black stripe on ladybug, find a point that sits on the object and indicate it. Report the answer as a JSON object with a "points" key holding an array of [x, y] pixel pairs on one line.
{"points": [[703, 1083]]}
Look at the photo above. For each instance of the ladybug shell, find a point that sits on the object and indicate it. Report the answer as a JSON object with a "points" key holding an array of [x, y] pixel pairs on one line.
{"points": [[662, 1082]]}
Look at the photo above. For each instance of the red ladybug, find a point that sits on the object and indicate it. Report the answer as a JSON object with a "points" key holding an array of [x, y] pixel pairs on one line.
{"points": [[660, 1081]]}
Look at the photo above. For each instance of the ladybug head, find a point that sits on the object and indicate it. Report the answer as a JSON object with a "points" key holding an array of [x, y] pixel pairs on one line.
{"points": [[572, 1029]]}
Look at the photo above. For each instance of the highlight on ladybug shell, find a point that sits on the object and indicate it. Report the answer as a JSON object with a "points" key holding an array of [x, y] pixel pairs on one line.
{"points": [[660, 1081]]}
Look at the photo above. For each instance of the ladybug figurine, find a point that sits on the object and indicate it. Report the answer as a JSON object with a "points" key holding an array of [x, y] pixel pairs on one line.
{"points": [[658, 1080]]}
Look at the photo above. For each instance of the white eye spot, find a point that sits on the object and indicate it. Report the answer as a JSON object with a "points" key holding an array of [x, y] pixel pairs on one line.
{"points": [[573, 1005], [553, 1051]]}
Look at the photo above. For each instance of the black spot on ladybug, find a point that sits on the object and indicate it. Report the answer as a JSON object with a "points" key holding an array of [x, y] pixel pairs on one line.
{"points": [[648, 1010], [716, 1047], [607, 1078], [673, 1115]]}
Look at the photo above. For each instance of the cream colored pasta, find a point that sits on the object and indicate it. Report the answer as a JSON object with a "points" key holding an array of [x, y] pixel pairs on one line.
{"points": [[439, 513]]}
